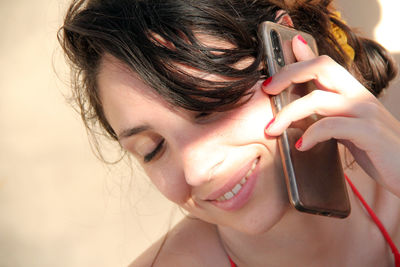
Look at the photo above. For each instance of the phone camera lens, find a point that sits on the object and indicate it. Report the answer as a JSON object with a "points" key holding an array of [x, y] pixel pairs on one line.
{"points": [[276, 45]]}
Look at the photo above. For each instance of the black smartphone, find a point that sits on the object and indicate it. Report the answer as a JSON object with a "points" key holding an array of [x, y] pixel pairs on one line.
{"points": [[314, 178]]}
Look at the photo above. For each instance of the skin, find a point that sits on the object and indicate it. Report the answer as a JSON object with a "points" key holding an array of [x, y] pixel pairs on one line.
{"points": [[199, 156], [350, 110]]}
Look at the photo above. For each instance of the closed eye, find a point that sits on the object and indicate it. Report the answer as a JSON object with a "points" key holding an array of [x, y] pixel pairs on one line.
{"points": [[202, 115], [147, 158], [209, 117]]}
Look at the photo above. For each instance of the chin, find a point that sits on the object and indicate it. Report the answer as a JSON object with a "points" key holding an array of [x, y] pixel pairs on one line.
{"points": [[261, 219], [261, 224], [270, 209]]}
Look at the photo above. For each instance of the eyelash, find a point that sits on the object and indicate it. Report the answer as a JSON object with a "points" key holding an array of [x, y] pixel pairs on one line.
{"points": [[152, 154], [203, 115], [147, 158]]}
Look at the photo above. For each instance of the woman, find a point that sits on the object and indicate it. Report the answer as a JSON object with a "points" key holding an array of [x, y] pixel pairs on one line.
{"points": [[181, 86]]}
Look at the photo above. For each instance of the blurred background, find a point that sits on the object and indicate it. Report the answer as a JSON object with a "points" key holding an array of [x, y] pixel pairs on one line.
{"points": [[59, 205]]}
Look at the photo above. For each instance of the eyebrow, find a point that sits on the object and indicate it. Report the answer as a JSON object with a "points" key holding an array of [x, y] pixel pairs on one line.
{"points": [[132, 131]]}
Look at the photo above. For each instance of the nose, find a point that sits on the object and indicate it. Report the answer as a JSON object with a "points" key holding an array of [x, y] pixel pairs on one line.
{"points": [[201, 159]]}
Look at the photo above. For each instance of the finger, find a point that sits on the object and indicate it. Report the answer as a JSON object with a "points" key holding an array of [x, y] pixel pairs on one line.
{"points": [[317, 102], [328, 75], [301, 49], [348, 131], [340, 128]]}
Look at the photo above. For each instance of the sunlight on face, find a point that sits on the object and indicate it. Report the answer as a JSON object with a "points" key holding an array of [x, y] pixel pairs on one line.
{"points": [[195, 161], [220, 167]]}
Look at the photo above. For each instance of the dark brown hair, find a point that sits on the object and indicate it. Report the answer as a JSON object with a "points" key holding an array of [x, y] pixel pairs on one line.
{"points": [[125, 29]]}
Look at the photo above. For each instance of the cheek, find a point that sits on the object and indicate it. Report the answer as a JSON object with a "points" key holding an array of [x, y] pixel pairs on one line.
{"points": [[252, 119], [172, 185]]}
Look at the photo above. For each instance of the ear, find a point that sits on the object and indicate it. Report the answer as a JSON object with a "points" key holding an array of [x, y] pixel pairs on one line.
{"points": [[282, 17]]}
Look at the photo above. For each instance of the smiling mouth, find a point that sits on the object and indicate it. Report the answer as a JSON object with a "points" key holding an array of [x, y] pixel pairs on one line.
{"points": [[235, 190]]}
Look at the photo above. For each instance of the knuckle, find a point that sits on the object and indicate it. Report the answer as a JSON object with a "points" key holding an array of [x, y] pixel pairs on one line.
{"points": [[325, 60], [374, 129], [325, 63], [371, 109], [328, 124], [374, 121]]}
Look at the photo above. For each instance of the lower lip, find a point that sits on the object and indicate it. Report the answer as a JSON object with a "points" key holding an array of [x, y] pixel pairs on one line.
{"points": [[241, 198]]}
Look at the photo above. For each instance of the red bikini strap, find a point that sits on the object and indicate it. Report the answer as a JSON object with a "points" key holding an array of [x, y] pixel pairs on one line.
{"points": [[385, 234], [234, 264]]}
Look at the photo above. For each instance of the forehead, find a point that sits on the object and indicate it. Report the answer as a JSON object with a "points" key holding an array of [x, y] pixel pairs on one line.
{"points": [[120, 86], [124, 96], [115, 76], [121, 71]]}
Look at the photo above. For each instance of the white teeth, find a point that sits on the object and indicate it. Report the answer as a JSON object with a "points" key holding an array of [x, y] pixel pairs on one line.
{"points": [[236, 188], [250, 171], [221, 198], [254, 164], [229, 195]]}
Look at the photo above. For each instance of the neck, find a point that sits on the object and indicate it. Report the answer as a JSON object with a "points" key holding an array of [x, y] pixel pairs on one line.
{"points": [[308, 239]]}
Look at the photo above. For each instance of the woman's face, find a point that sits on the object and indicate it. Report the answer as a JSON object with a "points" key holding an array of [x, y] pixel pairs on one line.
{"points": [[221, 167]]}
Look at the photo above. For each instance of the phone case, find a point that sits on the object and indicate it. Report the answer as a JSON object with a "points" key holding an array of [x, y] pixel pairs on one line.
{"points": [[314, 178]]}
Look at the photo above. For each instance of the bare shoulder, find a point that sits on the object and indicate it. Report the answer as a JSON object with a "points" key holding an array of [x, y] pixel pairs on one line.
{"points": [[190, 243]]}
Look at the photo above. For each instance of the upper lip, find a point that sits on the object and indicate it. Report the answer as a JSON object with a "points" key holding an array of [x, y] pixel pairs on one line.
{"points": [[235, 179]]}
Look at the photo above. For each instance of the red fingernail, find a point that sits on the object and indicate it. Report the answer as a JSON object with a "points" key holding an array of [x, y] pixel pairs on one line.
{"points": [[269, 123], [267, 81], [301, 39], [299, 143]]}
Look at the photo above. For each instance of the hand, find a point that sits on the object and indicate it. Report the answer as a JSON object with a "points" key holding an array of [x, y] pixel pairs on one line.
{"points": [[352, 115]]}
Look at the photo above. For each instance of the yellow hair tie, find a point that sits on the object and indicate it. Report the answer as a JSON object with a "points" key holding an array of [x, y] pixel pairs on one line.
{"points": [[341, 37]]}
